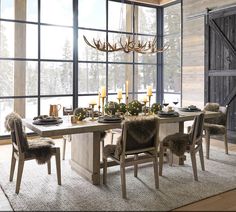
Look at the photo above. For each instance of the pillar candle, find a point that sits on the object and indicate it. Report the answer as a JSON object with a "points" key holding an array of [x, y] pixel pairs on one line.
{"points": [[149, 90], [119, 94], [103, 91]]}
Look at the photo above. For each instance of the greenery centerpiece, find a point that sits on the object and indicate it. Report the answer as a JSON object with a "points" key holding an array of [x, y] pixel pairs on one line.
{"points": [[134, 107], [111, 108], [122, 108], [80, 113], [156, 107]]}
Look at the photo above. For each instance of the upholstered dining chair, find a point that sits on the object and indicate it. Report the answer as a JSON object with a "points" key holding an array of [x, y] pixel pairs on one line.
{"points": [[216, 126], [139, 136], [22, 150], [179, 143]]}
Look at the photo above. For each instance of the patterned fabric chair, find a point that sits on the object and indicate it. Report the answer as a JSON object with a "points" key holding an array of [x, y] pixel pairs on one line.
{"points": [[22, 150], [138, 136], [216, 126], [179, 143]]}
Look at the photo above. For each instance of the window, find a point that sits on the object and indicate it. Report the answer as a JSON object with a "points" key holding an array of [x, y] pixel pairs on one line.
{"points": [[44, 59], [172, 57]]}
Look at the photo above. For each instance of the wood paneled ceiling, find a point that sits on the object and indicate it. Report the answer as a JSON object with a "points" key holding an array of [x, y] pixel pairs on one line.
{"points": [[154, 2]]}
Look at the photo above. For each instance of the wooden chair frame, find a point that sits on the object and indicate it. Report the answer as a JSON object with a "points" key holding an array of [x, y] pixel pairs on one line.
{"points": [[151, 154], [207, 133], [18, 154], [193, 148]]}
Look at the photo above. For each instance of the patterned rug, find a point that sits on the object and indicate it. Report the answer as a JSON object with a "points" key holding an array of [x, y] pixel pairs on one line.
{"points": [[40, 191]]}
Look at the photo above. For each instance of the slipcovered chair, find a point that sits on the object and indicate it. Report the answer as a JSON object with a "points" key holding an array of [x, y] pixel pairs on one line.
{"points": [[139, 136], [179, 143], [22, 150], [216, 126]]}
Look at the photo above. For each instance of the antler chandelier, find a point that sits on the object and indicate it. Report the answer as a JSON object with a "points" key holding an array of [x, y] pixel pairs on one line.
{"points": [[129, 45]]}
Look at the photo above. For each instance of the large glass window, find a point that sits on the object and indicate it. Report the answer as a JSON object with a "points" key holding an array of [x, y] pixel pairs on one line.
{"points": [[44, 59], [172, 57]]}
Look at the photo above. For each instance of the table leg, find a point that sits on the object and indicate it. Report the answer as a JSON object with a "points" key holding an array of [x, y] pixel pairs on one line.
{"points": [[85, 155]]}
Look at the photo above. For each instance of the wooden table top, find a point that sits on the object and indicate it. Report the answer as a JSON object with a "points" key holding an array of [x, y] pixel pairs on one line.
{"points": [[87, 125]]}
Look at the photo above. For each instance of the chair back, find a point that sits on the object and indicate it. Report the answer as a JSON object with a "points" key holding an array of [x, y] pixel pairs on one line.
{"points": [[13, 123], [224, 110], [215, 107], [197, 130], [139, 135]]}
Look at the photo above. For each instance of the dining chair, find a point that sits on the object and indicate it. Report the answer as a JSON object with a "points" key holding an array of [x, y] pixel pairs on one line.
{"points": [[216, 126], [191, 142], [139, 136], [23, 150]]}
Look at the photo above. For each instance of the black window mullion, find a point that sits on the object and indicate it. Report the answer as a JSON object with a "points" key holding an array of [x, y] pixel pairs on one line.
{"points": [[39, 55], [107, 52], [75, 54], [160, 25]]}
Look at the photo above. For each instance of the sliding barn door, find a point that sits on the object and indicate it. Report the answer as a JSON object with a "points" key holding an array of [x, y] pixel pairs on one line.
{"points": [[220, 60]]}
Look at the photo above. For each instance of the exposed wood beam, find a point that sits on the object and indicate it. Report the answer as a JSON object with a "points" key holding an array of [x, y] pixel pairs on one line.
{"points": [[216, 28], [222, 73]]}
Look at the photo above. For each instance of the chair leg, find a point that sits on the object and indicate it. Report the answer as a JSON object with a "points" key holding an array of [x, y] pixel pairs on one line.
{"points": [[19, 174], [170, 157], [156, 175], [207, 139], [13, 164], [112, 137], [194, 165], [226, 143], [161, 155], [49, 166], [201, 158], [135, 166], [58, 166], [104, 171], [64, 148], [123, 182]]}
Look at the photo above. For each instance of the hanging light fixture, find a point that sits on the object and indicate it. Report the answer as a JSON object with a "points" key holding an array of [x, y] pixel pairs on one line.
{"points": [[129, 45]]}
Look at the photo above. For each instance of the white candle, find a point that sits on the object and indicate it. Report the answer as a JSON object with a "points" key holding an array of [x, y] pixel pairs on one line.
{"points": [[119, 94], [144, 99], [127, 88], [149, 90], [103, 91], [98, 99], [92, 102]]}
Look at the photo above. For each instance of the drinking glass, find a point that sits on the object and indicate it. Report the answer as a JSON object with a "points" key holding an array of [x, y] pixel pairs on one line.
{"points": [[165, 103]]}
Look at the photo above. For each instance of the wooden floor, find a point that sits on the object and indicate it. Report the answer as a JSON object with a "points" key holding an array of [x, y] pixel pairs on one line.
{"points": [[222, 202]]}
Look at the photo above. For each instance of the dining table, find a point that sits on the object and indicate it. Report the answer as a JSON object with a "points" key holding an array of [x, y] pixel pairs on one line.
{"points": [[86, 138]]}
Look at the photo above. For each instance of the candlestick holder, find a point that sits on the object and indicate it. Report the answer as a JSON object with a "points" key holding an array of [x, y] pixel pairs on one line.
{"points": [[127, 100], [145, 103], [103, 105], [92, 111], [149, 98], [99, 110], [119, 99]]}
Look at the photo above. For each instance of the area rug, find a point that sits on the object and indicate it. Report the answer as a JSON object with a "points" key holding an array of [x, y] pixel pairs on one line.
{"points": [[40, 191]]}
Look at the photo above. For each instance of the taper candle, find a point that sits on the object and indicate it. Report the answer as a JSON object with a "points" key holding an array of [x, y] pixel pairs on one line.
{"points": [[103, 91], [127, 88]]}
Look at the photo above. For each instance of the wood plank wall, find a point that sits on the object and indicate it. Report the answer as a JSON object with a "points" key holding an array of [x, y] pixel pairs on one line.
{"points": [[193, 48]]}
